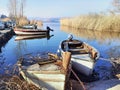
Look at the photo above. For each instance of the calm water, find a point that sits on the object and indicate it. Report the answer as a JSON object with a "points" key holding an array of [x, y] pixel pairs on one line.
{"points": [[108, 44]]}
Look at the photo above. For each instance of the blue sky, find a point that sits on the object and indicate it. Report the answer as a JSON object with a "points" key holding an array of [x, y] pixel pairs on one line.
{"points": [[59, 8]]}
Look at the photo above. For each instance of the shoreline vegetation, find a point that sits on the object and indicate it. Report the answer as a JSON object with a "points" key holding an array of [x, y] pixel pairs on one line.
{"points": [[24, 21], [93, 22]]}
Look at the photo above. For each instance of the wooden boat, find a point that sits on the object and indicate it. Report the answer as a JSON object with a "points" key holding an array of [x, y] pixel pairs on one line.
{"points": [[20, 31], [83, 56], [27, 37], [32, 31], [51, 74]]}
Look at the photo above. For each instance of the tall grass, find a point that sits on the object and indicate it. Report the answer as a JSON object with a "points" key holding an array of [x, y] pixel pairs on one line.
{"points": [[21, 21], [93, 22]]}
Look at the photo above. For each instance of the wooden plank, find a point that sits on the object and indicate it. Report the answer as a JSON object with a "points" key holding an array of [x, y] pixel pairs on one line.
{"points": [[46, 77], [77, 49], [46, 72]]}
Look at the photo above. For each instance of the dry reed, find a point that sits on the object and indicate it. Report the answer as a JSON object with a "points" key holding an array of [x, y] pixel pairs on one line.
{"points": [[21, 21], [94, 22], [38, 22], [15, 83]]}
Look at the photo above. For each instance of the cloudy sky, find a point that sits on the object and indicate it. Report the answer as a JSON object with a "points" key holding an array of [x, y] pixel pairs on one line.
{"points": [[59, 8]]}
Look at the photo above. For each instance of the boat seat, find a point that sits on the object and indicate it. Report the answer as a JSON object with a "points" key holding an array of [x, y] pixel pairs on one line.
{"points": [[77, 49], [75, 43], [82, 57]]}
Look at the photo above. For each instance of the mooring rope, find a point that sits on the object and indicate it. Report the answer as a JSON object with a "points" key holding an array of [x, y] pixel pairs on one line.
{"points": [[105, 59]]}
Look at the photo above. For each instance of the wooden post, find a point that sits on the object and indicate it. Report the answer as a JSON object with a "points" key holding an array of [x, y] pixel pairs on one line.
{"points": [[66, 59]]}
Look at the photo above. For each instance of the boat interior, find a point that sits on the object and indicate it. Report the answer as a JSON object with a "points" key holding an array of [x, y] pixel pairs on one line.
{"points": [[79, 47]]}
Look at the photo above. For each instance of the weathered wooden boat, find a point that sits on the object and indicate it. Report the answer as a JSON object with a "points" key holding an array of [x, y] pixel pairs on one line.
{"points": [[26, 37], [83, 56], [50, 74]]}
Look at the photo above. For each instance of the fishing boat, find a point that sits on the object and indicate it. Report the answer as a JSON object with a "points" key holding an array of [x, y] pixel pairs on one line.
{"points": [[32, 31], [28, 37], [48, 74], [83, 56], [20, 31]]}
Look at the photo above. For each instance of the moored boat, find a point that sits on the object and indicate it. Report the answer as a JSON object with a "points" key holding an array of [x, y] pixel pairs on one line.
{"points": [[83, 56], [51, 74], [20, 31], [32, 31]]}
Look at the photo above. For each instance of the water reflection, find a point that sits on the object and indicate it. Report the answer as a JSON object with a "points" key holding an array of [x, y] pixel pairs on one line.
{"points": [[4, 68], [30, 44], [102, 37], [108, 43], [2, 60], [33, 37]]}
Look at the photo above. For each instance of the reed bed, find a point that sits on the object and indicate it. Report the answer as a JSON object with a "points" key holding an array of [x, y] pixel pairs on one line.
{"points": [[93, 22], [15, 83], [21, 21]]}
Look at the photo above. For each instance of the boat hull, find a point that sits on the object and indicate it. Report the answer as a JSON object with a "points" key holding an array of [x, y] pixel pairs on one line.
{"points": [[31, 32], [48, 81], [82, 66], [54, 80], [49, 75]]}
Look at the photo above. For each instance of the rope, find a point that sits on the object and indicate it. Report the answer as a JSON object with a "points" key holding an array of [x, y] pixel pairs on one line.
{"points": [[106, 60], [78, 79]]}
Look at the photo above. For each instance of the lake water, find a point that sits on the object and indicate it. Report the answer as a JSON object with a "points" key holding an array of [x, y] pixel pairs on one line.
{"points": [[108, 44]]}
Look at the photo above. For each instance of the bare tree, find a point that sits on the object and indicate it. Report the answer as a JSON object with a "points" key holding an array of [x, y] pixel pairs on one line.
{"points": [[12, 7], [16, 8], [22, 7]]}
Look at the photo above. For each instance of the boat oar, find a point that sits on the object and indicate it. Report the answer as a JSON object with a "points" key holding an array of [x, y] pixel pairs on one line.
{"points": [[78, 79]]}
